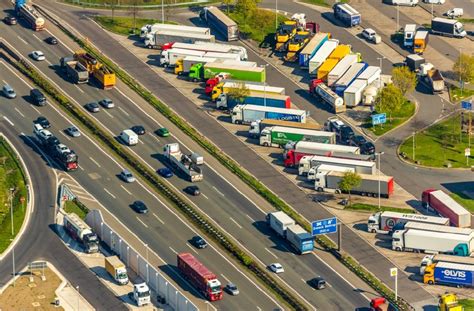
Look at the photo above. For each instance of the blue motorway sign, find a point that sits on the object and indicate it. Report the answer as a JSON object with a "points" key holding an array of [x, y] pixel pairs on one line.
{"points": [[324, 226], [466, 105], [380, 118]]}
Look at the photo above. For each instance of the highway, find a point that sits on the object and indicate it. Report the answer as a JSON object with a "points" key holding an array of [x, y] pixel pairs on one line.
{"points": [[241, 217]]}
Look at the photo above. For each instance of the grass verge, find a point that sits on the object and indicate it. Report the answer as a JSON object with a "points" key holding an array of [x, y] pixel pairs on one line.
{"points": [[76, 207], [142, 4], [375, 208], [258, 26], [397, 118], [123, 25], [441, 145], [457, 94], [11, 176], [468, 304], [466, 20], [464, 200]]}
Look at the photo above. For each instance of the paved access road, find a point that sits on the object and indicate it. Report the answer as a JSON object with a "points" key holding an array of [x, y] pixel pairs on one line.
{"points": [[242, 217]]}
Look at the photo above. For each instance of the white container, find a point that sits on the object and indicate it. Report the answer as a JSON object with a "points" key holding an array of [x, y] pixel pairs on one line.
{"points": [[370, 74], [353, 94], [321, 55], [129, 137], [341, 68]]}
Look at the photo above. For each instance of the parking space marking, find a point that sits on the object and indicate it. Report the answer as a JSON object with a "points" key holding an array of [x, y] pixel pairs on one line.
{"points": [[205, 196], [108, 113], [173, 250], [8, 120], [96, 163], [249, 217], [126, 190], [21, 39], [21, 114], [225, 278], [271, 253], [77, 86], [218, 191], [64, 134], [113, 196], [123, 110], [191, 247]]}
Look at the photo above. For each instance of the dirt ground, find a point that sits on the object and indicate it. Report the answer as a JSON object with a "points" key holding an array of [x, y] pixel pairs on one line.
{"points": [[38, 295]]}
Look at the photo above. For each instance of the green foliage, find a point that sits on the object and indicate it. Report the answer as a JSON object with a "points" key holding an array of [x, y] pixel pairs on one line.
{"points": [[259, 25], [375, 208], [76, 207], [397, 118], [246, 8], [464, 200], [457, 94], [468, 304], [464, 67], [404, 79], [389, 100], [349, 181], [239, 93], [122, 25]]}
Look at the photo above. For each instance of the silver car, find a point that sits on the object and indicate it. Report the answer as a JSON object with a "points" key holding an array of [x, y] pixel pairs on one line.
{"points": [[73, 131], [232, 289], [8, 91], [127, 176]]}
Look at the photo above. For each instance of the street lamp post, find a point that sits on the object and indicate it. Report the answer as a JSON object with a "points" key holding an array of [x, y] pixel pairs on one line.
{"points": [[13, 259], [265, 88], [78, 298], [380, 59], [413, 147], [276, 14], [379, 154], [398, 19], [12, 190], [147, 267]]}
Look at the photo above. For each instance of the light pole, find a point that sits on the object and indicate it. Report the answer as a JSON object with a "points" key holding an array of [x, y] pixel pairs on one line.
{"points": [[13, 258], [414, 133], [12, 190], [380, 59], [265, 87], [276, 14], [394, 273], [78, 298], [147, 269], [379, 154], [398, 19]]}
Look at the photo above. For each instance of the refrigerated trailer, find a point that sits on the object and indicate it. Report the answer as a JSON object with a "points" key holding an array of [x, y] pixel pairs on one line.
{"points": [[157, 39], [150, 29], [311, 48], [307, 163], [446, 206], [257, 127], [353, 94], [341, 68], [279, 222], [387, 221], [220, 22], [295, 152], [277, 136], [351, 74], [300, 239], [246, 114], [321, 55]]}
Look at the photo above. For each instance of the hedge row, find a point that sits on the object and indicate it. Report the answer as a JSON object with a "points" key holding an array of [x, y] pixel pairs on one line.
{"points": [[151, 177]]}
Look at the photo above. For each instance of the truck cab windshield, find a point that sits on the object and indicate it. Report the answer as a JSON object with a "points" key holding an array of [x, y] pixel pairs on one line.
{"points": [[144, 294], [216, 289]]}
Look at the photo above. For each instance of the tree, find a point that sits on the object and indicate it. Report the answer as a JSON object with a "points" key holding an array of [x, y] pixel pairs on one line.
{"points": [[228, 3], [239, 93], [349, 181], [246, 7], [464, 67], [404, 79], [389, 100], [134, 10], [112, 8]]}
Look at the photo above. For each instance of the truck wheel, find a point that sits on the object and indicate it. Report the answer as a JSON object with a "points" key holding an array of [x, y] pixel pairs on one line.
{"points": [[337, 191], [398, 249], [265, 144], [319, 189], [430, 282], [373, 231]]}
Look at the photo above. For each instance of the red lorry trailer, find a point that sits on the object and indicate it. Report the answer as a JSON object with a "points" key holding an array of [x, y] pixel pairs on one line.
{"points": [[444, 205], [200, 277]]}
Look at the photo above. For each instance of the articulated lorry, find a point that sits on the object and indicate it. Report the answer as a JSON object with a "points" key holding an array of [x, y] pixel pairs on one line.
{"points": [[186, 164], [311, 48], [278, 136], [206, 71], [200, 276], [317, 87], [117, 269], [307, 163], [226, 102], [353, 94], [258, 126], [328, 181], [390, 221], [279, 222], [183, 65], [151, 29], [103, 75], [341, 68], [209, 47], [246, 114], [225, 87], [169, 58], [451, 274], [321, 55], [74, 70], [433, 259], [30, 15], [349, 16], [347, 78], [446, 206], [161, 37], [81, 232], [220, 22], [447, 27]]}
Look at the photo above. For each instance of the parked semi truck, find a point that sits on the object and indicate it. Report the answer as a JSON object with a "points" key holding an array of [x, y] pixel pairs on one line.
{"points": [[184, 163], [451, 274], [183, 65], [286, 30], [409, 35], [170, 57], [433, 259], [296, 44], [201, 72], [140, 294], [246, 114], [277, 136], [202, 46], [447, 27], [294, 152], [307, 164], [74, 70], [341, 68], [325, 68], [152, 28], [321, 55], [220, 22], [286, 228], [200, 276], [81, 232], [258, 126], [370, 74], [227, 102], [317, 87], [446, 206], [329, 182], [349, 16], [311, 48], [225, 87], [117, 269], [420, 240], [347, 78], [389, 221], [353, 94], [160, 37], [30, 15]]}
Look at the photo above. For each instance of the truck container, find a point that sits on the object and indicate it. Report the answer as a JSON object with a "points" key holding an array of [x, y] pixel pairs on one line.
{"points": [[129, 137], [340, 52], [295, 152], [401, 2], [414, 61], [117, 269], [308, 163], [311, 48], [141, 294], [387, 221], [226, 102], [329, 182], [351, 74], [223, 56], [74, 70], [184, 163], [183, 65], [353, 94], [433, 259], [210, 70], [446, 206], [30, 15], [300, 239], [236, 49], [435, 81], [370, 74], [157, 39], [341, 68], [321, 55], [246, 114], [212, 83], [225, 86], [200, 276], [105, 77], [279, 222], [81, 232], [421, 41], [451, 274], [433, 242], [277, 136], [447, 27], [209, 47], [217, 20], [349, 16], [409, 35], [438, 228], [317, 87], [258, 126], [169, 58], [325, 68], [150, 29]]}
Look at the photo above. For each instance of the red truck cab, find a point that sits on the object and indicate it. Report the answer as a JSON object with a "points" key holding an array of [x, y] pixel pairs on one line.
{"points": [[381, 304], [212, 82], [313, 84], [167, 46]]}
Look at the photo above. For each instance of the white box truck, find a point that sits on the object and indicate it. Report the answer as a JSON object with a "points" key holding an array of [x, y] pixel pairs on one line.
{"points": [[353, 94], [279, 222], [370, 74], [341, 68], [161, 37], [409, 35], [307, 164], [246, 114], [150, 29], [387, 221], [321, 55], [168, 58], [233, 48], [117, 269], [129, 137]]}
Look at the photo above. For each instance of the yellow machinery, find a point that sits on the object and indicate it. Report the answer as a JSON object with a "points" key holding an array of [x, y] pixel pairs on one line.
{"points": [[296, 44], [105, 77], [449, 302], [103, 74], [284, 33], [87, 60]]}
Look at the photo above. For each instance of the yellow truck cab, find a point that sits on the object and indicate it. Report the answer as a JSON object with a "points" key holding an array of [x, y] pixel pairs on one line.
{"points": [[449, 302], [421, 41], [285, 32]]}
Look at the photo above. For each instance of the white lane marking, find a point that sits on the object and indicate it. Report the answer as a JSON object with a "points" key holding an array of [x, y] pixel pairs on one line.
{"points": [[110, 193], [64, 134], [81, 168], [123, 110], [108, 113], [218, 191], [235, 222], [21, 39], [249, 217], [173, 250], [204, 196], [156, 138], [156, 216], [141, 142], [259, 309], [126, 190], [35, 109], [8, 120], [225, 278], [77, 86], [191, 247], [96, 163], [37, 38], [4, 82], [21, 114], [271, 253], [146, 226], [48, 62]]}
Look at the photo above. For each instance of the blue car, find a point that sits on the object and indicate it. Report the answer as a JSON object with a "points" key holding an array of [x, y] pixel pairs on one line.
{"points": [[165, 172]]}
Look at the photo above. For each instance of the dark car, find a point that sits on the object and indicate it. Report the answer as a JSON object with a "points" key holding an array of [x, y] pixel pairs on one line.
{"points": [[10, 20], [367, 148], [43, 122], [165, 172], [192, 190], [346, 134], [37, 97], [92, 107], [139, 207], [139, 129], [232, 289], [358, 140], [107, 103], [318, 283], [51, 40], [198, 242]]}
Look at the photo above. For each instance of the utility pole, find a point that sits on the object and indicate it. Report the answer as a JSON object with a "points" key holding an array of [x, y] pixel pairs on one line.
{"points": [[398, 19], [12, 191], [276, 15], [414, 146], [162, 11], [379, 154]]}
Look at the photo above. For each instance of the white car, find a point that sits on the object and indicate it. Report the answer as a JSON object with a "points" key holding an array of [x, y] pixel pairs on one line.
{"points": [[370, 35], [63, 148], [73, 131], [276, 267], [38, 55]]}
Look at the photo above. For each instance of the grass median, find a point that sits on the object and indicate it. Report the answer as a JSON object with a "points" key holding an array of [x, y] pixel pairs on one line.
{"points": [[464, 200], [397, 118], [375, 208], [124, 25], [457, 94], [259, 25], [75, 207]]}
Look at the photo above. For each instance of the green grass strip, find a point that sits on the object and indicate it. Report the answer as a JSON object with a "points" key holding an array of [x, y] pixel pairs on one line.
{"points": [[375, 208], [76, 207]]}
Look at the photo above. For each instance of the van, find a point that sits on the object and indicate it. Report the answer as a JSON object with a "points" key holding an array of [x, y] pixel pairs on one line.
{"points": [[37, 97], [129, 137], [402, 2], [8, 91]]}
